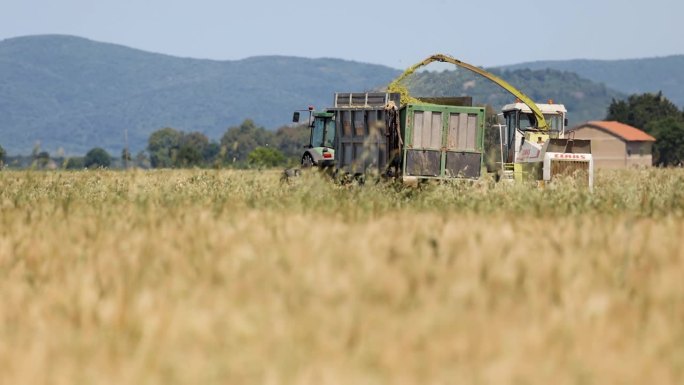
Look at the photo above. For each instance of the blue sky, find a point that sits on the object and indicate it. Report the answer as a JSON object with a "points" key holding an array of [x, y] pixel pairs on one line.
{"points": [[394, 33]]}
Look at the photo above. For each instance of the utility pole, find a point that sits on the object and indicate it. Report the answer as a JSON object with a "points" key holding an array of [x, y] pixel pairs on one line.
{"points": [[125, 154]]}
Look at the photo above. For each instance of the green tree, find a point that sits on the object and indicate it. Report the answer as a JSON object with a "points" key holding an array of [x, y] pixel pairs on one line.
{"points": [[3, 155], [97, 158], [163, 146], [41, 159], [191, 151], [639, 110], [74, 163], [669, 147], [238, 142], [265, 157], [290, 140], [211, 153]]}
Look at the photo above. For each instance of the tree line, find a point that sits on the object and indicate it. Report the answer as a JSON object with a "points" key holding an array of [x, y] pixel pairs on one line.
{"points": [[250, 146], [243, 146]]}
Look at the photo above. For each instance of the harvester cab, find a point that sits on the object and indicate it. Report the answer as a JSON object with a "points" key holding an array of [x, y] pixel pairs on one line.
{"points": [[320, 151], [522, 140], [542, 154]]}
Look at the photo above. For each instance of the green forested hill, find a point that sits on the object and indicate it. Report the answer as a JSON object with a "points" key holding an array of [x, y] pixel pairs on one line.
{"points": [[584, 99], [630, 76], [74, 93]]}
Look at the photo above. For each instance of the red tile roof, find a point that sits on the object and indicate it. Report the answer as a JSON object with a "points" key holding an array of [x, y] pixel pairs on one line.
{"points": [[626, 132]]}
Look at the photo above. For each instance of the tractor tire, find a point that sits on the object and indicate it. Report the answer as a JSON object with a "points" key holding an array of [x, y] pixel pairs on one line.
{"points": [[307, 161]]}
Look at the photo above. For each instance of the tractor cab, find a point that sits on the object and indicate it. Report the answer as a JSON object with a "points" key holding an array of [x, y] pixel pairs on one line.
{"points": [[320, 151]]}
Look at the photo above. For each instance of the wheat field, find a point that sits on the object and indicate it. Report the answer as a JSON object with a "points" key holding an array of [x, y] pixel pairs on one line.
{"points": [[236, 277]]}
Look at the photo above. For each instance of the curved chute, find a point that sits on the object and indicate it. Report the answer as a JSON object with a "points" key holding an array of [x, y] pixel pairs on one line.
{"points": [[541, 122]]}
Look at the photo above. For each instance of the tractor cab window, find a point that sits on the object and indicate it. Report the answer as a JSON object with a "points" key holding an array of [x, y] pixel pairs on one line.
{"points": [[323, 132], [329, 133], [317, 132]]}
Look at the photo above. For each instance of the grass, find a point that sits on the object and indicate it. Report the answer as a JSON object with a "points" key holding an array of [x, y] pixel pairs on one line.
{"points": [[187, 277]]}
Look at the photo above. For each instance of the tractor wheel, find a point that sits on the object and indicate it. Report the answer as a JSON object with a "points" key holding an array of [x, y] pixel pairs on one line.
{"points": [[307, 161]]}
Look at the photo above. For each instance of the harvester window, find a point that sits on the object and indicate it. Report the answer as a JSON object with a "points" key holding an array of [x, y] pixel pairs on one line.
{"points": [[527, 121], [511, 126], [555, 122]]}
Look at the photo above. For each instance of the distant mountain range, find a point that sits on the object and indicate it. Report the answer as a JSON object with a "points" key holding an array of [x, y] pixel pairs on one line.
{"points": [[631, 76], [74, 94]]}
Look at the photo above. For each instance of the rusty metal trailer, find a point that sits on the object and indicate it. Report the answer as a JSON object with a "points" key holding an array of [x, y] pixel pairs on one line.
{"points": [[362, 137]]}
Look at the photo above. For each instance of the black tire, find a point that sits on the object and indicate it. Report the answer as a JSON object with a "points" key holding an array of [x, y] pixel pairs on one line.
{"points": [[307, 161]]}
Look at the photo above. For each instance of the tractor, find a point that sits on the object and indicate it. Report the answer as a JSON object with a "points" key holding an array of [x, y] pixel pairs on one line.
{"points": [[320, 151]]}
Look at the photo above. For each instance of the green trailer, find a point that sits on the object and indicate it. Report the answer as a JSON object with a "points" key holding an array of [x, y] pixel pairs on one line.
{"points": [[416, 141], [442, 141]]}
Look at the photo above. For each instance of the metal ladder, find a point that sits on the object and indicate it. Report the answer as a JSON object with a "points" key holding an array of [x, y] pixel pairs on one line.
{"points": [[508, 172]]}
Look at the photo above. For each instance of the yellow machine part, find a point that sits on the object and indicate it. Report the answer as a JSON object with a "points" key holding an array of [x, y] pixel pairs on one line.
{"points": [[396, 86], [536, 137]]}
